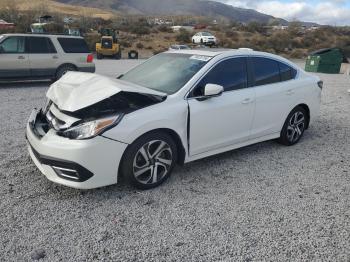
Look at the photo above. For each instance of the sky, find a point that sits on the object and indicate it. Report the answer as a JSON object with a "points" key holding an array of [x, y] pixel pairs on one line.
{"points": [[330, 12]]}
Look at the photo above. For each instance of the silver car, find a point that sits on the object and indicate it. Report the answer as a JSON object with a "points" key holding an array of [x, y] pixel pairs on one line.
{"points": [[41, 56]]}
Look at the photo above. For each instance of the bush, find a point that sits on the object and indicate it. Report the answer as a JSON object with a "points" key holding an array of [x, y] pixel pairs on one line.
{"points": [[165, 29], [125, 44], [140, 30], [183, 36], [139, 45]]}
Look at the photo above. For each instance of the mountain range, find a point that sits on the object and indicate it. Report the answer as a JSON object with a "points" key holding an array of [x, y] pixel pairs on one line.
{"points": [[179, 7]]}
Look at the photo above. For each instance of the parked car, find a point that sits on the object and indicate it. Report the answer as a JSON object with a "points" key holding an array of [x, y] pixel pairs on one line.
{"points": [[38, 56], [179, 47], [176, 107], [204, 38]]}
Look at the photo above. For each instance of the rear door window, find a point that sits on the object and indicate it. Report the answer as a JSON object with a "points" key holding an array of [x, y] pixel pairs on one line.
{"points": [[287, 72], [231, 74], [13, 45], [73, 45], [266, 71], [40, 45]]}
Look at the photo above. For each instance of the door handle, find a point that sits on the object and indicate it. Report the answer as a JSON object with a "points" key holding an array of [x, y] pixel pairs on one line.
{"points": [[290, 92], [21, 57], [247, 101], [55, 57]]}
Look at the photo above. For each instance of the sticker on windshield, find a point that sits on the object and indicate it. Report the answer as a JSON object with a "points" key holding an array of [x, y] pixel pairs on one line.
{"points": [[201, 58]]}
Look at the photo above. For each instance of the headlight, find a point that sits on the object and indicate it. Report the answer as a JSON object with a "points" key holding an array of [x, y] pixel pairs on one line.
{"points": [[92, 128]]}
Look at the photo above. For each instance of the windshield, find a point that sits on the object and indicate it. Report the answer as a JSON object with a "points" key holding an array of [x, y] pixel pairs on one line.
{"points": [[206, 34], [166, 72]]}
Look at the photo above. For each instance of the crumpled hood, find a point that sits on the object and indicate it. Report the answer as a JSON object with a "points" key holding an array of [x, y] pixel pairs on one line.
{"points": [[76, 90]]}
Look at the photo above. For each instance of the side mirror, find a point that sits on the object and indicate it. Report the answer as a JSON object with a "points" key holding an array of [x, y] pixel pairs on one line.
{"points": [[211, 90]]}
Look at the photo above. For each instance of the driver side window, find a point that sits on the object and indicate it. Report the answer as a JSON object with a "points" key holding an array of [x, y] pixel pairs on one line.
{"points": [[231, 74], [13, 45]]}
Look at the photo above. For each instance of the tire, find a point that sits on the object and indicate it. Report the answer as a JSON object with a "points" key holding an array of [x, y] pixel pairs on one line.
{"points": [[99, 56], [294, 127], [62, 70], [133, 54], [149, 161], [118, 56], [201, 40], [193, 41]]}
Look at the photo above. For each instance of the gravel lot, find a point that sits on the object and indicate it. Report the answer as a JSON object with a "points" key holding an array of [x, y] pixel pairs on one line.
{"points": [[262, 202]]}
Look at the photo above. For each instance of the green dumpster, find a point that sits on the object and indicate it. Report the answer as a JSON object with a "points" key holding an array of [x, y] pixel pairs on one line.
{"points": [[325, 61]]}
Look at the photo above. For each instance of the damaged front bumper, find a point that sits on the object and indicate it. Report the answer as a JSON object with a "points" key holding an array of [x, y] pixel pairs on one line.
{"points": [[82, 164]]}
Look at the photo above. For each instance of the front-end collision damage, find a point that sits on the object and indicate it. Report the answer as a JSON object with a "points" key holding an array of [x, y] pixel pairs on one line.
{"points": [[89, 107]]}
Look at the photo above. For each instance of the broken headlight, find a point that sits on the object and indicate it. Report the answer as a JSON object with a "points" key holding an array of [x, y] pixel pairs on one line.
{"points": [[92, 128]]}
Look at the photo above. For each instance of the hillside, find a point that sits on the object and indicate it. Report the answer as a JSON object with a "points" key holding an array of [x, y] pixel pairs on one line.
{"points": [[178, 7], [55, 7]]}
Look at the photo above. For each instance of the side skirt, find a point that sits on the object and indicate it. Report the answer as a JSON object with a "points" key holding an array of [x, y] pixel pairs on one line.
{"points": [[232, 147]]}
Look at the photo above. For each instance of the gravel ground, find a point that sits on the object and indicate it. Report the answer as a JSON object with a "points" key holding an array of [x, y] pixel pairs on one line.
{"points": [[262, 202]]}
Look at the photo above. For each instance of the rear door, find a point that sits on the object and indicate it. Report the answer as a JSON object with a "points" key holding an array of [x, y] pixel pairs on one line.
{"points": [[14, 60], [43, 56], [274, 89]]}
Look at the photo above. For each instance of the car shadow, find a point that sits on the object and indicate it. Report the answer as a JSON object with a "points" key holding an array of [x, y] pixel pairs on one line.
{"points": [[24, 84], [180, 175]]}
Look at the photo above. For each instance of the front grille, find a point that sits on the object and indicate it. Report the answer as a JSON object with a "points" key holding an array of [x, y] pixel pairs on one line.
{"points": [[56, 123]]}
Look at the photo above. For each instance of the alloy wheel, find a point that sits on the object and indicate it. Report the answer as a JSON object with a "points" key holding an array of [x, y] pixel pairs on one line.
{"points": [[296, 126], [152, 162]]}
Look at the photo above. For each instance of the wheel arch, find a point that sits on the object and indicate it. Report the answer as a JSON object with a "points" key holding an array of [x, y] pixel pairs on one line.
{"points": [[66, 64], [181, 152]]}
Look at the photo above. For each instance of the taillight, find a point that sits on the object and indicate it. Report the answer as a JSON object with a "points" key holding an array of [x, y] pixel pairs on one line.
{"points": [[90, 58], [320, 84]]}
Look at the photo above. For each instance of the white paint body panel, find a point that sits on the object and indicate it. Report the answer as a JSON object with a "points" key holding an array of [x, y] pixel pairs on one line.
{"points": [[234, 119], [77, 90]]}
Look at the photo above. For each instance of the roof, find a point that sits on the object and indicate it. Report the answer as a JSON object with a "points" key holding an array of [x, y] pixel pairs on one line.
{"points": [[212, 52], [203, 51], [43, 34]]}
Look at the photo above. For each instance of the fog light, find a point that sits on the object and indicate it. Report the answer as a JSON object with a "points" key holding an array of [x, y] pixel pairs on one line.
{"points": [[66, 173]]}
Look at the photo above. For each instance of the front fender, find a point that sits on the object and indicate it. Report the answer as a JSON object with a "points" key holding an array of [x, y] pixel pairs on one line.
{"points": [[167, 115]]}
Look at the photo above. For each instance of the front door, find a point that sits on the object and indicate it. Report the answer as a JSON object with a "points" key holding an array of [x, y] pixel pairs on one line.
{"points": [[224, 120], [14, 61]]}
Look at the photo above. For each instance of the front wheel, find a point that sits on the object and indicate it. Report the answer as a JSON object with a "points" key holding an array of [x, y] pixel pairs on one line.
{"points": [[149, 161], [294, 127]]}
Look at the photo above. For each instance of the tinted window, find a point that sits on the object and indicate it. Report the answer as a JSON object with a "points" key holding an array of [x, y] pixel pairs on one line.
{"points": [[73, 45], [13, 45], [266, 71], [231, 74], [41, 45], [287, 72]]}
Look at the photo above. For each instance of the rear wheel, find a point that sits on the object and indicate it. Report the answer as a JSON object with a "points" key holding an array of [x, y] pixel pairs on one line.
{"points": [[149, 161], [62, 70], [294, 127]]}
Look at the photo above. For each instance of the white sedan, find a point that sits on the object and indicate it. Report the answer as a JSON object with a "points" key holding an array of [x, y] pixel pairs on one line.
{"points": [[174, 108], [204, 38]]}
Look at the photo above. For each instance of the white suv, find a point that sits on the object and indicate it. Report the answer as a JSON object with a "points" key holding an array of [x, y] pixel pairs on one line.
{"points": [[204, 38], [38, 56]]}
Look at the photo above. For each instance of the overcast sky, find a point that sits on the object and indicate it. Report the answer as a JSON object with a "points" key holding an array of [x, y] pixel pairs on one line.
{"points": [[332, 12]]}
